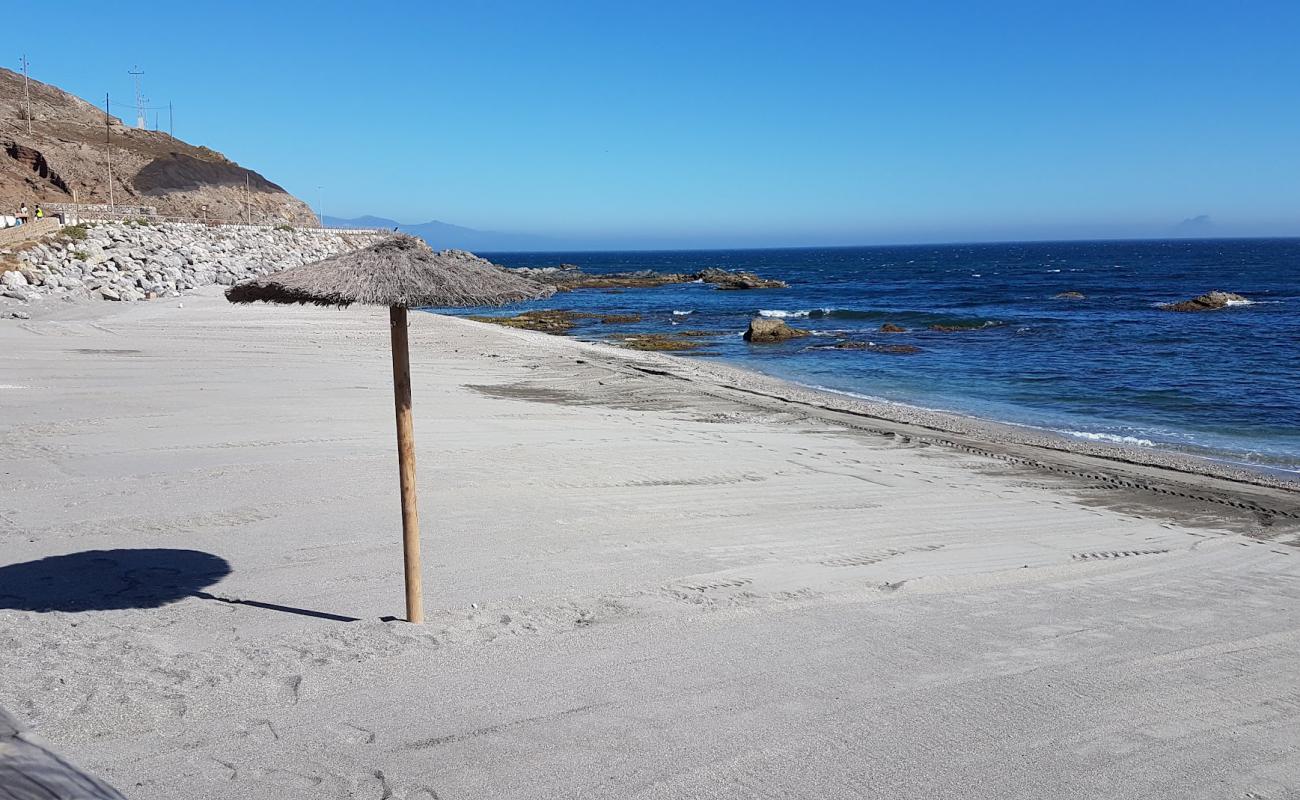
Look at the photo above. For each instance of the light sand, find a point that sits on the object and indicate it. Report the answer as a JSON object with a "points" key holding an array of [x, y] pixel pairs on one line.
{"points": [[638, 584]]}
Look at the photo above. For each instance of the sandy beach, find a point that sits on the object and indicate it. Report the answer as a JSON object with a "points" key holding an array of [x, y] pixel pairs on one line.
{"points": [[645, 577]]}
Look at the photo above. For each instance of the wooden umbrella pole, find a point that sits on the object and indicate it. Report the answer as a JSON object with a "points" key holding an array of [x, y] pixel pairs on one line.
{"points": [[406, 465]]}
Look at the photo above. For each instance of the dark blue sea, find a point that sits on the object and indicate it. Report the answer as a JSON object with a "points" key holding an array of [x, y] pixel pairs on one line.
{"points": [[1112, 367]]}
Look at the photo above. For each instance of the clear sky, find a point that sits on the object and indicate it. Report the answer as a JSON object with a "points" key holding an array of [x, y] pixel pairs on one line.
{"points": [[728, 123]]}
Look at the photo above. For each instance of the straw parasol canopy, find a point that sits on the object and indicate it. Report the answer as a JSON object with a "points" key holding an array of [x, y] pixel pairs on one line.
{"points": [[400, 272]]}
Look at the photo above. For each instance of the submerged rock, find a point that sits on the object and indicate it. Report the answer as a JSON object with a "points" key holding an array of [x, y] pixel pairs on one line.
{"points": [[1070, 296], [763, 330], [891, 349], [656, 341], [558, 322], [1210, 301], [890, 327]]}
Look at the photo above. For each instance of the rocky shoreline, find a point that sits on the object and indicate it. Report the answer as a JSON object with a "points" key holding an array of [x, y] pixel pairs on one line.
{"points": [[139, 260]]}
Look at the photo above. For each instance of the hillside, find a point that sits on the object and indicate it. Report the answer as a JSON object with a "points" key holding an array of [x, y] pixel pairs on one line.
{"points": [[65, 160]]}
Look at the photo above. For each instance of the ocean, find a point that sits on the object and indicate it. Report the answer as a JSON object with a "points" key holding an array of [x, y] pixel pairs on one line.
{"points": [[1111, 367]]}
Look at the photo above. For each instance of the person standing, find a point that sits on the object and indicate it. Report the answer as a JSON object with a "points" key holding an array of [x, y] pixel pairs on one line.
{"points": [[40, 212], [22, 214]]}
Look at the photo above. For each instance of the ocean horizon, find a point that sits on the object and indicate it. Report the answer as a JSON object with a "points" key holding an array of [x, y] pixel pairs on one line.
{"points": [[987, 336]]}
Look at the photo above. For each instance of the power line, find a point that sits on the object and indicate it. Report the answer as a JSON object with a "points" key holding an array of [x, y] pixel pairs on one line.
{"points": [[132, 105], [26, 91]]}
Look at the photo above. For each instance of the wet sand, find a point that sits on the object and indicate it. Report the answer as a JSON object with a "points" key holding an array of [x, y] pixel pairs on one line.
{"points": [[645, 577]]}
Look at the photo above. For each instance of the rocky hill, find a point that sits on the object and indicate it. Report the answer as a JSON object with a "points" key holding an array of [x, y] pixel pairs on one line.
{"points": [[65, 159]]}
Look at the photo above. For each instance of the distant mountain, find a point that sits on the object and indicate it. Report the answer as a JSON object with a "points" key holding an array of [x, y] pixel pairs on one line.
{"points": [[443, 235]]}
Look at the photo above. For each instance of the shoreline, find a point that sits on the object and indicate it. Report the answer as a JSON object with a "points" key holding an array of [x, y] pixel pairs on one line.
{"points": [[1040, 447]]}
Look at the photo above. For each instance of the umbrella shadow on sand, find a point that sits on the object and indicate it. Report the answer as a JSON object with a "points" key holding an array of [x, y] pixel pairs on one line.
{"points": [[114, 580]]}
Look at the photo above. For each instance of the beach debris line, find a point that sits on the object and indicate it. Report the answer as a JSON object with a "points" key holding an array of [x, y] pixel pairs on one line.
{"points": [[765, 330], [1210, 301], [400, 272]]}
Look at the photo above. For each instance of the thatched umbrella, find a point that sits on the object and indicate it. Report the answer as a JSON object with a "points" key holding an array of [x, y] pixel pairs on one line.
{"points": [[400, 272]]}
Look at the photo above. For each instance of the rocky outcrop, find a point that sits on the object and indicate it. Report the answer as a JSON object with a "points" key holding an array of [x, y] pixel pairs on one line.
{"points": [[890, 327], [657, 342], [738, 279], [1210, 301], [128, 261], [567, 277], [763, 330]]}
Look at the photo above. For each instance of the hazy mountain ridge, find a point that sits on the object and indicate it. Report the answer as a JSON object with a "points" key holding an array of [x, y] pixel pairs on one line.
{"points": [[442, 235]]}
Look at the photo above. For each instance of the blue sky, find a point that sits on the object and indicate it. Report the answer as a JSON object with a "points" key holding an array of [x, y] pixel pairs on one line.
{"points": [[721, 124]]}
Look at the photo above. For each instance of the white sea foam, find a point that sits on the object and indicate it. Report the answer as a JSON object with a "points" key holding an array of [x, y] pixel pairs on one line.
{"points": [[1110, 437], [683, 313], [778, 314], [1242, 302]]}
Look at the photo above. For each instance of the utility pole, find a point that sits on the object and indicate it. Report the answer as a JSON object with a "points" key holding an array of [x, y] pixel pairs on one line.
{"points": [[108, 151], [138, 75], [27, 95], [320, 205]]}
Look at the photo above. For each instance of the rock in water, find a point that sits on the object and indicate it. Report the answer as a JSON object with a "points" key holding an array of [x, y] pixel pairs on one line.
{"points": [[892, 349], [1208, 302], [890, 327], [725, 279], [1070, 296], [763, 330]]}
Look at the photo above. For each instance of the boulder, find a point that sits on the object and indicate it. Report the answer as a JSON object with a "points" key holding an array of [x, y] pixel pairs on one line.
{"points": [[13, 280], [890, 327], [763, 330], [1207, 302]]}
